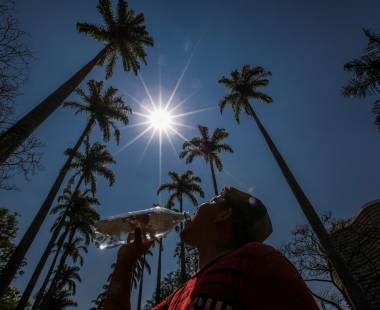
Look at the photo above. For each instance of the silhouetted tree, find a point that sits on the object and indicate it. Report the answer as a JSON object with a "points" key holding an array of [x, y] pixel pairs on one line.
{"points": [[8, 230], [123, 35], [207, 147], [191, 259], [243, 85], [307, 255], [68, 278], [104, 108], [140, 267], [184, 185], [82, 223], [14, 59], [366, 73], [71, 207], [87, 165], [60, 299]]}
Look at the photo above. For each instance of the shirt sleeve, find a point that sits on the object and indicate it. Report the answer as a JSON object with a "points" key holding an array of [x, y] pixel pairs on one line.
{"points": [[272, 282]]}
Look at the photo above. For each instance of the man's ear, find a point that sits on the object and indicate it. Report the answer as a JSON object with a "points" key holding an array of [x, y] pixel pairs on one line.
{"points": [[223, 215]]}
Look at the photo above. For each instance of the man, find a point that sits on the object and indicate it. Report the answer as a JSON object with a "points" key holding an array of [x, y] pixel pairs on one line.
{"points": [[236, 271]]}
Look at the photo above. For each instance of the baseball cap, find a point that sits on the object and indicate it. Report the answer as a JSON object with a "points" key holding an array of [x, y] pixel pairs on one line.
{"points": [[250, 212]]}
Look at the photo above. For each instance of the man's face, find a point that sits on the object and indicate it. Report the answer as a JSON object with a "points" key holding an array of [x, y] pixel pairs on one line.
{"points": [[203, 223]]}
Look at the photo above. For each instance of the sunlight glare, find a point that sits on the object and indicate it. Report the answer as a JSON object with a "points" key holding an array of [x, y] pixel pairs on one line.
{"points": [[160, 119]]}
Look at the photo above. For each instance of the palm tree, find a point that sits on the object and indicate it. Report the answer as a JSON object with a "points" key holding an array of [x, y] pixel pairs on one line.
{"points": [[74, 250], [243, 86], [142, 265], [71, 206], [123, 35], [60, 299], [68, 205], [81, 222], [99, 301], [184, 185], [68, 278], [103, 108], [208, 148], [159, 264], [92, 161], [366, 74]]}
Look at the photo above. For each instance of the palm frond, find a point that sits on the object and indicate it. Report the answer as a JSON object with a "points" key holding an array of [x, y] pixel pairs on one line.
{"points": [[111, 64], [204, 132], [122, 7], [218, 163], [224, 148], [95, 31], [104, 8], [124, 36], [242, 87], [107, 174]]}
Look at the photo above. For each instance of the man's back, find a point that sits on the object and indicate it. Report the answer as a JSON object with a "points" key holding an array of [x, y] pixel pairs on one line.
{"points": [[255, 276]]}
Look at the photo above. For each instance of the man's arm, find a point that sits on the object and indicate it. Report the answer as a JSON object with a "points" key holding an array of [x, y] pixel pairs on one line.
{"points": [[118, 295], [119, 291]]}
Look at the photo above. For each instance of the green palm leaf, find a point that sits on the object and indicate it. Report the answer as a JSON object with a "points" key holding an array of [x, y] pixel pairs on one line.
{"points": [[124, 35], [243, 86]]}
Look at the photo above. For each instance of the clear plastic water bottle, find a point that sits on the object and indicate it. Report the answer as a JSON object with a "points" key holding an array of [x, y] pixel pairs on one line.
{"points": [[154, 223]]}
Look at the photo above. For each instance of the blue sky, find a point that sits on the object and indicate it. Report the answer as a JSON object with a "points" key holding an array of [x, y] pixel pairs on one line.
{"points": [[329, 141]]}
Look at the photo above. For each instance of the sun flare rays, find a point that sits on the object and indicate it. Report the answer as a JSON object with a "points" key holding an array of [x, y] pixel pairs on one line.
{"points": [[162, 118]]}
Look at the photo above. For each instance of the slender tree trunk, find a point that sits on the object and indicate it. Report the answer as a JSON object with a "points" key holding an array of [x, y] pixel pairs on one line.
{"points": [[41, 291], [19, 253], [354, 291], [12, 139], [158, 284], [139, 299], [183, 265], [214, 177], [32, 282], [54, 282]]}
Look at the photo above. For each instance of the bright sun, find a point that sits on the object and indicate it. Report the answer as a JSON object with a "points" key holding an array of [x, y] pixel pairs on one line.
{"points": [[160, 119]]}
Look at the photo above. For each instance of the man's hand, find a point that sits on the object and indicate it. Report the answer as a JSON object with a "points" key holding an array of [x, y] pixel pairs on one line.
{"points": [[132, 251], [118, 295]]}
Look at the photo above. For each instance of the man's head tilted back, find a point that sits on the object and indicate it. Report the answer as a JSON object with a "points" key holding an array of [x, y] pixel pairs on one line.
{"points": [[229, 220]]}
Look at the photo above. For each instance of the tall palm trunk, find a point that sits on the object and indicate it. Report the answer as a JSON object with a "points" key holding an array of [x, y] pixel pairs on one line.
{"points": [[62, 261], [182, 254], [354, 291], [19, 253], [33, 280], [36, 274], [12, 139], [213, 177], [139, 298], [158, 283], [41, 291]]}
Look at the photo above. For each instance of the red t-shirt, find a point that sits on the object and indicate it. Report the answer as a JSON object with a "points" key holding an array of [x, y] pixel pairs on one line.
{"points": [[255, 276]]}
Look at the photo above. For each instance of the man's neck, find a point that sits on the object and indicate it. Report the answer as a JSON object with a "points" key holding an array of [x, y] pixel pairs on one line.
{"points": [[207, 254]]}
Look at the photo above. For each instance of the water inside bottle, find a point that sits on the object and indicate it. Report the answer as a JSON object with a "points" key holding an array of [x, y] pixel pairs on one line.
{"points": [[154, 223]]}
